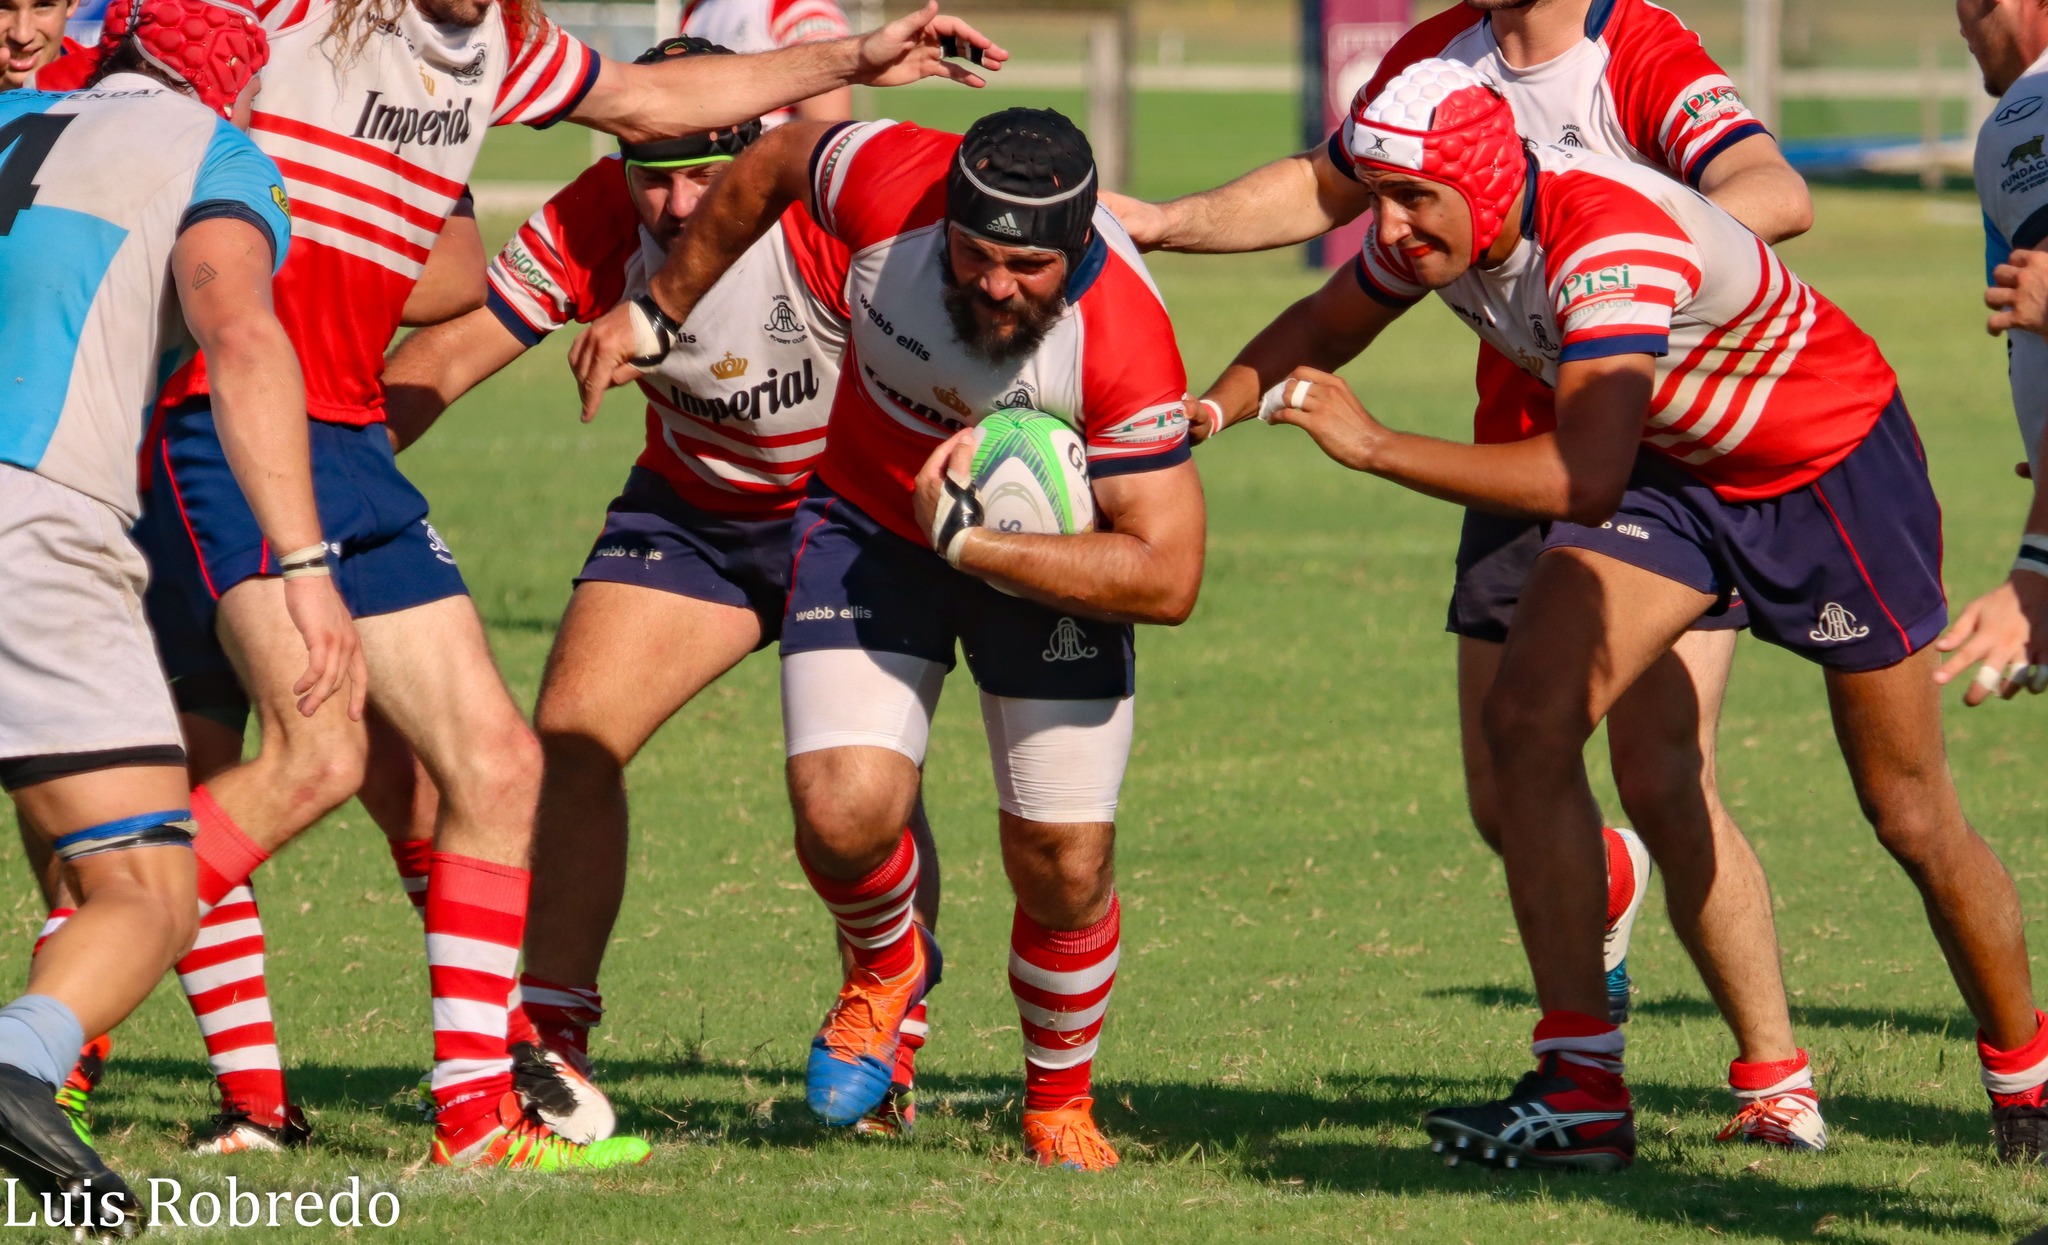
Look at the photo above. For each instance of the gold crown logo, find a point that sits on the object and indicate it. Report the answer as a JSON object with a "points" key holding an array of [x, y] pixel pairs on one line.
{"points": [[729, 367], [952, 402]]}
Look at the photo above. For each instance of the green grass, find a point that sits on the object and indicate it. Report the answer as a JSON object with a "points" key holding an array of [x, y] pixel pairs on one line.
{"points": [[1317, 947]]}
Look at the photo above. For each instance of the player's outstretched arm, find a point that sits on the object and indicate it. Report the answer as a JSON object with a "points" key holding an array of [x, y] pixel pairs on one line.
{"points": [[770, 175], [453, 282], [1577, 473], [1145, 568], [221, 270], [641, 103], [1326, 330], [2018, 296], [2004, 633], [437, 365], [1290, 200], [1752, 182]]}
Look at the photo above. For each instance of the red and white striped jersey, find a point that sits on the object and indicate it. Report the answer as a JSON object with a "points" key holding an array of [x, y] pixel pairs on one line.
{"points": [[1109, 366], [1638, 86], [375, 146], [763, 26], [1762, 384], [736, 413]]}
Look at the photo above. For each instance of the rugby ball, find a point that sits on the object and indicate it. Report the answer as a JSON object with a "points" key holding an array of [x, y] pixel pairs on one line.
{"points": [[1031, 473]]}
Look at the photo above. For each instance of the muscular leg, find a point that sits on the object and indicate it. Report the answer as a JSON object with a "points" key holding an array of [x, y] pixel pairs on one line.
{"points": [[851, 806], [1586, 627], [396, 792], [305, 766], [1478, 661], [433, 680], [1661, 736], [1888, 723], [625, 660], [1063, 874], [136, 913]]}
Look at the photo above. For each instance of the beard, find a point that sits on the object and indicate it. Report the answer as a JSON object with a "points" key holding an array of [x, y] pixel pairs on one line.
{"points": [[966, 305]]}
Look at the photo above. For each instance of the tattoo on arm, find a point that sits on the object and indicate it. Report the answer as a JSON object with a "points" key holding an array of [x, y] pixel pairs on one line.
{"points": [[203, 276]]}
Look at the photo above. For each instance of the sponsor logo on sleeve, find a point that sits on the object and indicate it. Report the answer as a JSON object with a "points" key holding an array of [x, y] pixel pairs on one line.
{"points": [[277, 196], [2025, 166], [1715, 101], [1155, 425], [2019, 110], [520, 263]]}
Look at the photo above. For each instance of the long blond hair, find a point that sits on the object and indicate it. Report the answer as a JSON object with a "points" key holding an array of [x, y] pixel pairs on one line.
{"points": [[354, 20]]}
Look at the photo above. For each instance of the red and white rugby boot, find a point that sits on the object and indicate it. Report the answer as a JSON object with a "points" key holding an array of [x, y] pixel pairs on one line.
{"points": [[1572, 1112], [232, 1131], [2017, 1081], [1779, 1107], [518, 1142], [1068, 1137], [1628, 879]]}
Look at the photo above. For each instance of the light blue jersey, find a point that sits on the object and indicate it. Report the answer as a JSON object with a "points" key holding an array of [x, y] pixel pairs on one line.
{"points": [[2012, 186], [95, 188]]}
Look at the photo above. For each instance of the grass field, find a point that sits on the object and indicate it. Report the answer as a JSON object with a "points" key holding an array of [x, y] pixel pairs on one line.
{"points": [[1316, 948]]}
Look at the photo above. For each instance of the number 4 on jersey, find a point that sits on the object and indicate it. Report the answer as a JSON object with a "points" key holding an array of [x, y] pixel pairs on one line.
{"points": [[26, 142]]}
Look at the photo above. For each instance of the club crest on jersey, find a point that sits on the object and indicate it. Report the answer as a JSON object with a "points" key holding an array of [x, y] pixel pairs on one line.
{"points": [[473, 71], [1018, 399], [400, 125], [2019, 110], [1068, 643], [1541, 333], [1572, 137], [1836, 626], [729, 368], [783, 325]]}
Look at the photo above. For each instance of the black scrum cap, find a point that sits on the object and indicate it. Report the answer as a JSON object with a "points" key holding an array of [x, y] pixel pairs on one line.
{"points": [[697, 148], [1025, 177]]}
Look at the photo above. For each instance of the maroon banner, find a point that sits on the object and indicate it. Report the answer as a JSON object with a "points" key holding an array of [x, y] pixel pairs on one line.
{"points": [[1343, 41]]}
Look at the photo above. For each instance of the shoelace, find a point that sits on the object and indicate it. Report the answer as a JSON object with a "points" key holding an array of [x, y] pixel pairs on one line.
{"points": [[1076, 1143], [1765, 1118], [853, 1024]]}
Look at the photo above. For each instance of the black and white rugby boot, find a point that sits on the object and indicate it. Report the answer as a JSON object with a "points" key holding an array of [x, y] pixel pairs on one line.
{"points": [[1549, 1120], [560, 1095], [39, 1148]]}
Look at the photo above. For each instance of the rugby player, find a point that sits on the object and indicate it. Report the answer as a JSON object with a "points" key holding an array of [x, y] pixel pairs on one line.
{"points": [[984, 276], [375, 112], [2004, 633], [137, 189], [692, 569], [1721, 429], [764, 25], [33, 31], [1626, 78]]}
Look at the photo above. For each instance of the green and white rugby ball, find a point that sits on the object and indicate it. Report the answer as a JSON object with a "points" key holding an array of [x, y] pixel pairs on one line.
{"points": [[1031, 473]]}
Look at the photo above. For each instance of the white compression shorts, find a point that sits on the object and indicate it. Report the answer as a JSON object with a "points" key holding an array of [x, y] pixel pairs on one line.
{"points": [[1055, 761]]}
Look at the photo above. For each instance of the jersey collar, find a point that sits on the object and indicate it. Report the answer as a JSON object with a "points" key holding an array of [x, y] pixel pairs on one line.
{"points": [[1089, 268]]}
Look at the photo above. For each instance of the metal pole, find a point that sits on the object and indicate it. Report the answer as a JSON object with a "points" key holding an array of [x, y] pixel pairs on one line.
{"points": [[1930, 115], [1760, 59]]}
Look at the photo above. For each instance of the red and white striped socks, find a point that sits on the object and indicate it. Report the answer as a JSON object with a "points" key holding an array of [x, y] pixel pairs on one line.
{"points": [[476, 920], [564, 1016], [413, 858], [1759, 1082], [916, 1028], [2016, 1077], [51, 924], [1062, 981], [1588, 1051], [222, 976], [226, 856], [873, 911]]}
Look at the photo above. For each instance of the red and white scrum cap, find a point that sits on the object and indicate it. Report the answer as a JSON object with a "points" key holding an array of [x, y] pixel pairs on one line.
{"points": [[1445, 122], [213, 46]]}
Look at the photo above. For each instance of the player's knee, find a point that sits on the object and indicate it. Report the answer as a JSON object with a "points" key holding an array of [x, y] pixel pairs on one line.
{"points": [[1659, 784], [1524, 726], [574, 757], [1062, 874], [316, 771], [847, 808], [500, 766]]}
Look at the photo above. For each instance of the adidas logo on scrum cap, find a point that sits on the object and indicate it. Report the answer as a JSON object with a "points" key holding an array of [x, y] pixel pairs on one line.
{"points": [[1006, 224]]}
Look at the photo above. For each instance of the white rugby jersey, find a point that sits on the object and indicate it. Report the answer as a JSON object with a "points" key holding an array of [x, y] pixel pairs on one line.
{"points": [[100, 185], [1109, 366], [736, 413], [763, 26], [375, 147], [2012, 184], [1762, 385], [1638, 86]]}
